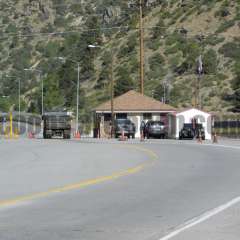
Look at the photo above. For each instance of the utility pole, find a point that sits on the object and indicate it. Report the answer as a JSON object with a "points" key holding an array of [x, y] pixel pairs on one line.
{"points": [[164, 92], [141, 46], [19, 102], [198, 83], [78, 86], [112, 93], [41, 79], [196, 93]]}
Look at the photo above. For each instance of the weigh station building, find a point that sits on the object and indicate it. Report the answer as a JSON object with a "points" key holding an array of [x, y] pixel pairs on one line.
{"points": [[134, 106]]}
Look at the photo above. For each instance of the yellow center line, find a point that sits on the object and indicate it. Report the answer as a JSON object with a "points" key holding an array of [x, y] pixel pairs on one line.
{"points": [[90, 182]]}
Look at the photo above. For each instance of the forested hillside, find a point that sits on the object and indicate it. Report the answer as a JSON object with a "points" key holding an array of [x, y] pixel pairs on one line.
{"points": [[52, 35]]}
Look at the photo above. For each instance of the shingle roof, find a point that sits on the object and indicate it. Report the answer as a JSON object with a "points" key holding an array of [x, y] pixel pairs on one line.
{"points": [[134, 101]]}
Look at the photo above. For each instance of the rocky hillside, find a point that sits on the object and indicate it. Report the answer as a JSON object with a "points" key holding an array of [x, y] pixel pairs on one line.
{"points": [[52, 35]]}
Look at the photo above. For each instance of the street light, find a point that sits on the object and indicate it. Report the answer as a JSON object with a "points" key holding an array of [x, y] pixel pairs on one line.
{"points": [[40, 73], [78, 86], [111, 85]]}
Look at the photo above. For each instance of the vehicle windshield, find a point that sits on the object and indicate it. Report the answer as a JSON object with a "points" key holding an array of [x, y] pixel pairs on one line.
{"points": [[157, 123], [57, 118], [123, 121]]}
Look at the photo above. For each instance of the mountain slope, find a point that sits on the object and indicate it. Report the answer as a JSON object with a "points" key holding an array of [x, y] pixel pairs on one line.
{"points": [[34, 34]]}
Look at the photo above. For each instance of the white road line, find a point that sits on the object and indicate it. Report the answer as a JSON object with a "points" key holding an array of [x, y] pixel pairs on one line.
{"points": [[205, 144], [223, 146], [202, 218]]}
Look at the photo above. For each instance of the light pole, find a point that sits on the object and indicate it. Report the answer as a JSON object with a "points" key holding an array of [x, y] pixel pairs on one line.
{"points": [[111, 86], [78, 88], [40, 76]]}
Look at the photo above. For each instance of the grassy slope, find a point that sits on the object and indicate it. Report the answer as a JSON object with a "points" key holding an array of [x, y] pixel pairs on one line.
{"points": [[193, 18]]}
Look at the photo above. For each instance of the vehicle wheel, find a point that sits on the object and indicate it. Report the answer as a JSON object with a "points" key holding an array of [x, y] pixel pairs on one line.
{"points": [[66, 135], [46, 136]]}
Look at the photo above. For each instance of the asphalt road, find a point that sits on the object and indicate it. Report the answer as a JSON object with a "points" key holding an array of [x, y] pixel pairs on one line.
{"points": [[111, 190]]}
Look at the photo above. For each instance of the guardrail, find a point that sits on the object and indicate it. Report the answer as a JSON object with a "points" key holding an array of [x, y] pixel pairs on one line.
{"points": [[227, 128]]}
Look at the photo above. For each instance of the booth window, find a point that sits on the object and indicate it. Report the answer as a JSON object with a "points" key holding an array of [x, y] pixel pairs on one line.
{"points": [[147, 116], [121, 115]]}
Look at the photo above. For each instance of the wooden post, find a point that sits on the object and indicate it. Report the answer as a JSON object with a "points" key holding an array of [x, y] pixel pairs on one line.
{"points": [[141, 47]]}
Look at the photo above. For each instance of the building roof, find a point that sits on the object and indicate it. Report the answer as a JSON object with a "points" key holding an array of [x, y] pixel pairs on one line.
{"points": [[134, 101], [192, 109]]}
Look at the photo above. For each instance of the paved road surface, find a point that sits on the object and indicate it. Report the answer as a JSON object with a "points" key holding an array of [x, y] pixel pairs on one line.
{"points": [[144, 197]]}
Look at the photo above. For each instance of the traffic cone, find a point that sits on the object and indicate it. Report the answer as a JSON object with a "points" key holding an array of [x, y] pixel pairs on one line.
{"points": [[215, 139], [31, 135], [77, 135]]}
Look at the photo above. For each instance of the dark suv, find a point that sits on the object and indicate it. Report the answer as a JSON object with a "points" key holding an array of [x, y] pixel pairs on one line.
{"points": [[125, 126], [155, 129], [191, 131]]}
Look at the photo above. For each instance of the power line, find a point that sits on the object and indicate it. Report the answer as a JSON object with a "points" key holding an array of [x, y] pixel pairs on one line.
{"points": [[128, 28]]}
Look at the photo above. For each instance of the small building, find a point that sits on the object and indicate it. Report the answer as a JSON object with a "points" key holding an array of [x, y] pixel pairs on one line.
{"points": [[134, 106], [176, 121]]}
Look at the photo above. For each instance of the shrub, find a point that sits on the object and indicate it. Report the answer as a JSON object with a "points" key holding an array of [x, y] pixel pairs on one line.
{"points": [[159, 30], [222, 12], [11, 28], [210, 62], [156, 61], [213, 40], [230, 50], [124, 82], [224, 26]]}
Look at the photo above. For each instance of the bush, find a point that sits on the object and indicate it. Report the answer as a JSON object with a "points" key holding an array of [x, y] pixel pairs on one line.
{"points": [[230, 50], [222, 12], [175, 38], [213, 40], [210, 62], [4, 104], [129, 47], [154, 44], [159, 30], [156, 61], [11, 28], [51, 49], [224, 26]]}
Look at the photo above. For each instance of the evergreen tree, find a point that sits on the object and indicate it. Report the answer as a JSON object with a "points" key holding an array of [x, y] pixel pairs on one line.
{"points": [[53, 98], [124, 81]]}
